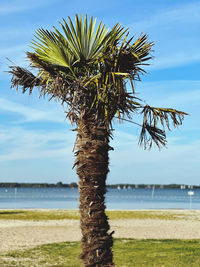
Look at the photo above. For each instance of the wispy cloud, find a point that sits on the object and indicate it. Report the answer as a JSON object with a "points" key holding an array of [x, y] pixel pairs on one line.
{"points": [[177, 164], [12, 50], [18, 143], [174, 60], [176, 35], [182, 14], [36, 155], [14, 6], [182, 95], [29, 114], [9, 54], [176, 92]]}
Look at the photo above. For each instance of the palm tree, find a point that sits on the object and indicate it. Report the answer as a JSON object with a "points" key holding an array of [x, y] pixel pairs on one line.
{"points": [[91, 70]]}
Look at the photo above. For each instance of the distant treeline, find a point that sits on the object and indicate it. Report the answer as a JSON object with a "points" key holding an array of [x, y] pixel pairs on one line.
{"points": [[119, 186], [38, 185]]}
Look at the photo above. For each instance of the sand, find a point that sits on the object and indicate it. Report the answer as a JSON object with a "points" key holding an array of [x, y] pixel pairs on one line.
{"points": [[15, 234]]}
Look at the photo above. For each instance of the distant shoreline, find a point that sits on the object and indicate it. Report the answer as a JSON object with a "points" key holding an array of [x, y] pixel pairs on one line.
{"points": [[119, 186]]}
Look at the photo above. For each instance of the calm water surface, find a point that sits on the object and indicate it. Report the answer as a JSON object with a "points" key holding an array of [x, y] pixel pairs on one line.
{"points": [[66, 198]]}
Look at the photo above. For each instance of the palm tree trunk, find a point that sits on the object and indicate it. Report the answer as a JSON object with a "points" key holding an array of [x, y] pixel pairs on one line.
{"points": [[92, 160]]}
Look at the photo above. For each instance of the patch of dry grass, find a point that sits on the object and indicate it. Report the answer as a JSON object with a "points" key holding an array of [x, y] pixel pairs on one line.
{"points": [[43, 215]]}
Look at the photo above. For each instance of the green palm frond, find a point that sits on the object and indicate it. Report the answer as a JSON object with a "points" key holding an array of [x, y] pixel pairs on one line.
{"points": [[87, 66], [52, 49], [79, 43]]}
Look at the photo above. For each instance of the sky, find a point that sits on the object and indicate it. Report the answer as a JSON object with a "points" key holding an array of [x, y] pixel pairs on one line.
{"points": [[36, 141]]}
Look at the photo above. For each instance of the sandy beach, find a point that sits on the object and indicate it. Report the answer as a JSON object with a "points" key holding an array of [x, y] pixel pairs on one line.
{"points": [[19, 234]]}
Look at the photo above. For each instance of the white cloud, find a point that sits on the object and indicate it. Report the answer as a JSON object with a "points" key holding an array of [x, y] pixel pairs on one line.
{"points": [[131, 164], [177, 164], [29, 114], [11, 50], [183, 14], [12, 55], [176, 35], [16, 143], [174, 60], [176, 92], [13, 6]]}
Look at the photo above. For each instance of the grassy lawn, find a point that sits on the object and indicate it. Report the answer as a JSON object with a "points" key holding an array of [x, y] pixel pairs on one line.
{"points": [[39, 215], [128, 253]]}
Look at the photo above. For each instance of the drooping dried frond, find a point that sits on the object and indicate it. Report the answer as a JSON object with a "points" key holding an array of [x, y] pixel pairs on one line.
{"points": [[38, 63], [153, 118], [150, 135], [24, 78], [154, 115]]}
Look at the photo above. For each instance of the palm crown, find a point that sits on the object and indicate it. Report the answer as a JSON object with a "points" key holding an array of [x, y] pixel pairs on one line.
{"points": [[87, 68]]}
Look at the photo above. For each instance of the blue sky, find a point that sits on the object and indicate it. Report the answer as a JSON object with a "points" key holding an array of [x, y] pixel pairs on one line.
{"points": [[36, 141]]}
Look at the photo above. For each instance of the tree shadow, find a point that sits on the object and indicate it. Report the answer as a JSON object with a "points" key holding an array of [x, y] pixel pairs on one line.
{"points": [[11, 212]]}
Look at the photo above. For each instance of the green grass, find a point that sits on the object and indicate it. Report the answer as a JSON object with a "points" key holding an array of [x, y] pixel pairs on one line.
{"points": [[128, 253], [147, 214], [39, 215]]}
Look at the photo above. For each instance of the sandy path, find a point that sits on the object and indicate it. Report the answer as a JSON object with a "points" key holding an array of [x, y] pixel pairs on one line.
{"points": [[156, 229], [23, 234]]}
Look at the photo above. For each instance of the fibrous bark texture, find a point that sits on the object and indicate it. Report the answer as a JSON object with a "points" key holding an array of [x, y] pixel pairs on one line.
{"points": [[92, 160]]}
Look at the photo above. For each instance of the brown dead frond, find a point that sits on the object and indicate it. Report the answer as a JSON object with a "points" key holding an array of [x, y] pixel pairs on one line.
{"points": [[22, 77], [153, 119], [150, 135]]}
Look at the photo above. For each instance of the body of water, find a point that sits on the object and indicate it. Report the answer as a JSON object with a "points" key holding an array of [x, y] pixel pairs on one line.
{"points": [[67, 198]]}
